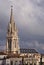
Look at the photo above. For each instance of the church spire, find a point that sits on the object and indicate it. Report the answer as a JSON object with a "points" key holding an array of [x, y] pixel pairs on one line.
{"points": [[11, 16], [12, 44]]}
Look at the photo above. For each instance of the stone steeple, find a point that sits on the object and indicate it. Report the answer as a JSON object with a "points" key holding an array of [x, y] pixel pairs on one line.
{"points": [[12, 43], [11, 16]]}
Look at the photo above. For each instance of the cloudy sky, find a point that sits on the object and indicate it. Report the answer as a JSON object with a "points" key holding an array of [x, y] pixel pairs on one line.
{"points": [[29, 19]]}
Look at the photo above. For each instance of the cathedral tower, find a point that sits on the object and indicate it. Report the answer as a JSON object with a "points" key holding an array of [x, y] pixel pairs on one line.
{"points": [[12, 36]]}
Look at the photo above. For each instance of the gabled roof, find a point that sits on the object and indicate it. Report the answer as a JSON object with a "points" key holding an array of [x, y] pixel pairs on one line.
{"points": [[28, 51]]}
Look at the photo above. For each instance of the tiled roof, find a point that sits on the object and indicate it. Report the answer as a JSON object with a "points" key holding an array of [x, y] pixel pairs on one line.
{"points": [[2, 53], [22, 51], [15, 56], [28, 51], [42, 55], [12, 55]]}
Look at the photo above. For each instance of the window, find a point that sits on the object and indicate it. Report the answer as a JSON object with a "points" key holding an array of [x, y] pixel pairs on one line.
{"points": [[11, 62], [30, 64], [15, 63], [20, 62], [9, 44], [7, 64], [15, 42], [34, 64]]}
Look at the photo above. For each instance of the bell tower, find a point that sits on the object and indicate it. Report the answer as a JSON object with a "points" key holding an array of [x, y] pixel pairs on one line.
{"points": [[12, 41]]}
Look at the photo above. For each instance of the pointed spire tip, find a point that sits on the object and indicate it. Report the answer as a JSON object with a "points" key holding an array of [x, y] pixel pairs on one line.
{"points": [[11, 6], [11, 15]]}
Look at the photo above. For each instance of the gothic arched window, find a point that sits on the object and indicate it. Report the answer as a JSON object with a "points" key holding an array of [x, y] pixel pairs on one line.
{"points": [[9, 44]]}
